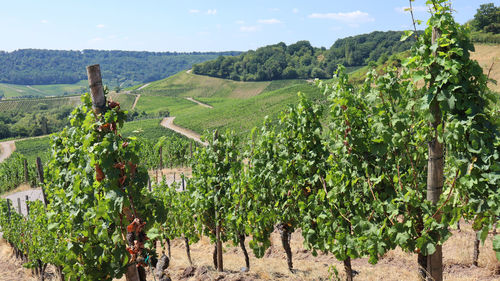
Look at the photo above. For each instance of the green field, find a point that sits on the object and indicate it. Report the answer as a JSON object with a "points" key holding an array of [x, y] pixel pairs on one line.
{"points": [[30, 105], [11, 90], [239, 106], [33, 148]]}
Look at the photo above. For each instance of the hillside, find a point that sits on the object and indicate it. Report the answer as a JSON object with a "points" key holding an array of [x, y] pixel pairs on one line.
{"points": [[15, 91], [119, 68], [236, 105], [301, 60]]}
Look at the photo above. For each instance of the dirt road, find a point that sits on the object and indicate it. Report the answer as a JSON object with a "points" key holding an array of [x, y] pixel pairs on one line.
{"points": [[168, 123], [6, 149], [199, 103], [135, 101]]}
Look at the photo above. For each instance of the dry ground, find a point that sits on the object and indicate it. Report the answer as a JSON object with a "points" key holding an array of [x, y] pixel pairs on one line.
{"points": [[488, 56], [395, 265]]}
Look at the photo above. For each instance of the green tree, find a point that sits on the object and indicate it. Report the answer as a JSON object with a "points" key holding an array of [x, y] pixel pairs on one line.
{"points": [[487, 17]]}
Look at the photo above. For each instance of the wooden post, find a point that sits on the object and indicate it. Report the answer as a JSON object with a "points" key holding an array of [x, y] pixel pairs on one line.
{"points": [[191, 150], [19, 205], [220, 266], [161, 157], [8, 208], [435, 180], [99, 106], [39, 168], [26, 175], [27, 206], [96, 88], [149, 184], [183, 186]]}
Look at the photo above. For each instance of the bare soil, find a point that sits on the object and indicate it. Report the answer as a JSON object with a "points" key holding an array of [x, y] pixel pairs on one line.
{"points": [[6, 149], [488, 57], [168, 122]]}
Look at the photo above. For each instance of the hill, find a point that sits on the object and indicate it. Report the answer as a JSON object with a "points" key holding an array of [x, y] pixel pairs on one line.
{"points": [[119, 68], [301, 60], [35, 91], [236, 105]]}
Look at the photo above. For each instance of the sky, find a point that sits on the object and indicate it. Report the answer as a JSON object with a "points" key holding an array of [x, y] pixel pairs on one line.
{"points": [[202, 25]]}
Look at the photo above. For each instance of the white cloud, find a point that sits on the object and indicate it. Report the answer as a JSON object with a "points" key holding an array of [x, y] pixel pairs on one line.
{"points": [[194, 11], [95, 40], [350, 17], [269, 21], [415, 9], [240, 22], [249, 28], [295, 11], [100, 26], [274, 9], [211, 11], [44, 21]]}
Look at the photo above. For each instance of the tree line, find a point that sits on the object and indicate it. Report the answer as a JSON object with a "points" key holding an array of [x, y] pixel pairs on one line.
{"points": [[301, 60], [124, 68]]}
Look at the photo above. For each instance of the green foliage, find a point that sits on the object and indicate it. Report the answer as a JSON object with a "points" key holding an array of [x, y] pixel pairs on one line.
{"points": [[32, 67], [301, 60], [176, 217], [379, 136], [496, 245], [286, 162], [95, 191], [487, 18], [12, 172], [216, 168]]}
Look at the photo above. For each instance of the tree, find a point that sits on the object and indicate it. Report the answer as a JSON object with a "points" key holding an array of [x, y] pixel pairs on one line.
{"points": [[486, 17]]}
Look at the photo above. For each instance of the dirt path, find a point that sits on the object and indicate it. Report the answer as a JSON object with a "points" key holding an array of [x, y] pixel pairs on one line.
{"points": [[10, 268], [6, 149], [35, 89], [143, 86], [168, 123], [135, 101], [199, 103]]}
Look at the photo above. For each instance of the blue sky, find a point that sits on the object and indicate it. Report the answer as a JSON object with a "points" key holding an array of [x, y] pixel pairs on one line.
{"points": [[201, 25]]}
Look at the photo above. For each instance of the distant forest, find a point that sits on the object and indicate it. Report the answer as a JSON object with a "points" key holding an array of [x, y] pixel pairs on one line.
{"points": [[123, 68], [301, 60]]}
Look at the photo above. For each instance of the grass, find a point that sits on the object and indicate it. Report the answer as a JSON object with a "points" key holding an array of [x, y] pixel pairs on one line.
{"points": [[126, 100], [239, 106], [33, 104], [241, 115], [28, 105], [191, 85], [12, 90], [149, 129], [33, 148]]}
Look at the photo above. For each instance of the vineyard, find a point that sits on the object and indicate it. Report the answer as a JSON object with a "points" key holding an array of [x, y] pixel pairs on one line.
{"points": [[401, 160], [27, 105]]}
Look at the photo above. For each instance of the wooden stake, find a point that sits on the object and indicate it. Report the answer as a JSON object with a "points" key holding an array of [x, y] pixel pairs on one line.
{"points": [[435, 180], [39, 168], [26, 175], [8, 208], [27, 207], [96, 88], [19, 205], [220, 266]]}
